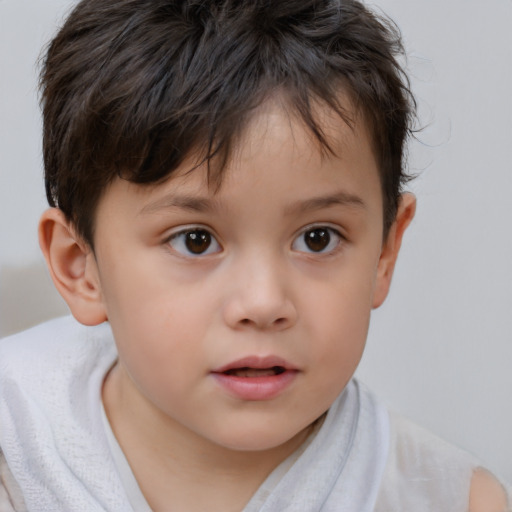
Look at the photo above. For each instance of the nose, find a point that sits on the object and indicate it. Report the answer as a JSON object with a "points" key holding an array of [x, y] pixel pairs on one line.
{"points": [[260, 298]]}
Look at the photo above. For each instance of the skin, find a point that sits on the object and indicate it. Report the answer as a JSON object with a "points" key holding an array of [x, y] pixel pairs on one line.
{"points": [[257, 289], [487, 494]]}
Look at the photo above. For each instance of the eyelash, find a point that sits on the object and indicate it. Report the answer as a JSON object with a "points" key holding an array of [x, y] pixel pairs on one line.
{"points": [[203, 237]]}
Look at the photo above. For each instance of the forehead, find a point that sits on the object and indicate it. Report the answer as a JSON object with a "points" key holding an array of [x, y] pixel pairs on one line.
{"points": [[278, 149], [276, 130]]}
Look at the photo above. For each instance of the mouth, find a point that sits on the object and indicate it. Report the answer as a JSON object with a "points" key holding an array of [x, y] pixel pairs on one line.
{"points": [[256, 366], [252, 373], [256, 378]]}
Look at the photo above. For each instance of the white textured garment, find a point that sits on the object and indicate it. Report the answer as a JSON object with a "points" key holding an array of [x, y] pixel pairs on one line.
{"points": [[50, 421], [58, 457]]}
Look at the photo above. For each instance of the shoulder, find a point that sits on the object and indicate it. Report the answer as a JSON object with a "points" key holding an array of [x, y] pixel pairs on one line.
{"points": [[52, 333], [486, 493], [50, 415], [414, 446], [43, 337], [50, 363], [426, 473], [58, 340]]}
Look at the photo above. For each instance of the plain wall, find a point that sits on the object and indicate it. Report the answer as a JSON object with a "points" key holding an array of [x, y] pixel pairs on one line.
{"points": [[440, 349]]}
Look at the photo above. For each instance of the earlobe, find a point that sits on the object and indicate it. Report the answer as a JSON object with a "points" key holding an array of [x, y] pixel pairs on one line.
{"points": [[391, 248], [72, 267]]}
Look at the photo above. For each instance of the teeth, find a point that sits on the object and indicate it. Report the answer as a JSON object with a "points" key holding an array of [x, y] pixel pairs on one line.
{"points": [[255, 372]]}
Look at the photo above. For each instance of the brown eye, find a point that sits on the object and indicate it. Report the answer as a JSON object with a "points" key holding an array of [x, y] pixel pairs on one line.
{"points": [[194, 242], [198, 241], [317, 239], [321, 239]]}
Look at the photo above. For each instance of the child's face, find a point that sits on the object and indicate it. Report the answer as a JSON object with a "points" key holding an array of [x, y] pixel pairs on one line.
{"points": [[241, 314]]}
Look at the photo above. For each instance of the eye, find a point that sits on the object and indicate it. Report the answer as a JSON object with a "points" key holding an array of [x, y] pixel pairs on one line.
{"points": [[320, 239], [194, 242]]}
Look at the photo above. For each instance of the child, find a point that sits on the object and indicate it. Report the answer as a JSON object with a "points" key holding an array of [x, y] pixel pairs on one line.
{"points": [[226, 182]]}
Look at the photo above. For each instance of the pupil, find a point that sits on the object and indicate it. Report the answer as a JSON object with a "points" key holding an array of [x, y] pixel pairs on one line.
{"points": [[198, 241], [317, 239]]}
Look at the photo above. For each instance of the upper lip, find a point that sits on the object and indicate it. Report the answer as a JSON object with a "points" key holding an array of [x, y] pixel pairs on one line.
{"points": [[256, 362]]}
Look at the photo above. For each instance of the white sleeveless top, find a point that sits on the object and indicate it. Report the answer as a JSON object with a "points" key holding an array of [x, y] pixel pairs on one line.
{"points": [[59, 454]]}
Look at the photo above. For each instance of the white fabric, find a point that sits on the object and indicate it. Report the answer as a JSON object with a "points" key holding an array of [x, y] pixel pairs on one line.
{"points": [[424, 473], [50, 422], [56, 446]]}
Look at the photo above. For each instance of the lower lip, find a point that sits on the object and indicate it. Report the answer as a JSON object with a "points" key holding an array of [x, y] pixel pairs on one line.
{"points": [[256, 388]]}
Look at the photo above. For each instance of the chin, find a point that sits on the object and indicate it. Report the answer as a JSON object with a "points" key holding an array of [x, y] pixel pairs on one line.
{"points": [[260, 439]]}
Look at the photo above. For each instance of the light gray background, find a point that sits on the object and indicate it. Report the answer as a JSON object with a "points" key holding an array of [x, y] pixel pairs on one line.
{"points": [[440, 349]]}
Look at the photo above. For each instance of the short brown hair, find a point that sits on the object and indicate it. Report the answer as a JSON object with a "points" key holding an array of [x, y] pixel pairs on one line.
{"points": [[132, 87]]}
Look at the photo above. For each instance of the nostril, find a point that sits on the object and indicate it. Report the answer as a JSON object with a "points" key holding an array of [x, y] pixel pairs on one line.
{"points": [[278, 322]]}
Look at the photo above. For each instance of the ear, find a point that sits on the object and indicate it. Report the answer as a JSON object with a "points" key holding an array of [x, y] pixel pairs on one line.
{"points": [[391, 247], [72, 267]]}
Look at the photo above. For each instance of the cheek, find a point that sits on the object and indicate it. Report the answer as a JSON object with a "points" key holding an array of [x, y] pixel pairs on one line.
{"points": [[339, 316], [160, 354], [137, 291], [153, 323], [341, 338]]}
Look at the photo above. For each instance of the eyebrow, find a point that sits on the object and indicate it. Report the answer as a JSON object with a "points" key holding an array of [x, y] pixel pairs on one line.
{"points": [[184, 202], [318, 203], [199, 204]]}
